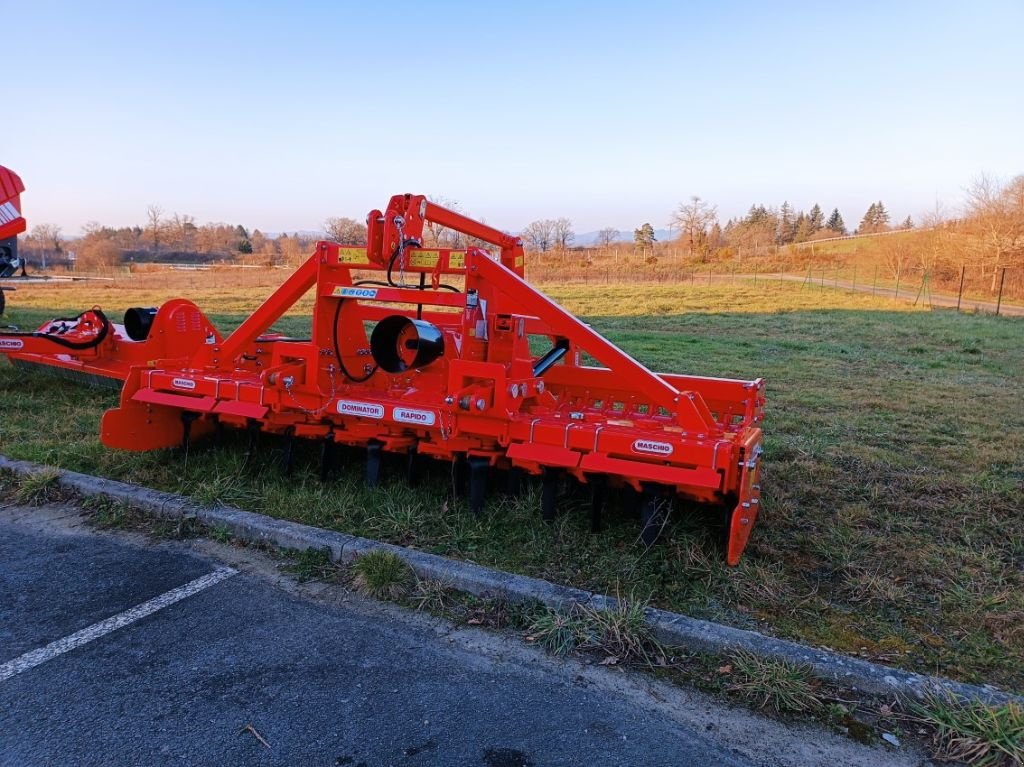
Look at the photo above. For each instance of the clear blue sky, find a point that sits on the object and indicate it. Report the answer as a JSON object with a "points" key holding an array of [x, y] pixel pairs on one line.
{"points": [[278, 115]]}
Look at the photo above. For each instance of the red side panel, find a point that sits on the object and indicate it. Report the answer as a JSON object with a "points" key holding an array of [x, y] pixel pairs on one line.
{"points": [[11, 221]]}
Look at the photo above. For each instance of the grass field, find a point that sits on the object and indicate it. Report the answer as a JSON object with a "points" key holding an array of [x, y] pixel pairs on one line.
{"points": [[893, 523]]}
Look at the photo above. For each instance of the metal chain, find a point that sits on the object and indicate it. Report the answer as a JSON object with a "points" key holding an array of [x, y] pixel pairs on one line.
{"points": [[288, 390]]}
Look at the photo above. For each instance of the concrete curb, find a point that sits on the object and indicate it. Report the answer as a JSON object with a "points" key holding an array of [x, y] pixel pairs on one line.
{"points": [[671, 628]]}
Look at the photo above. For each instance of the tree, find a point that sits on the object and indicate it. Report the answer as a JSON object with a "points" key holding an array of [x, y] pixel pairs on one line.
{"points": [[562, 233], [815, 219], [693, 219], [876, 219], [995, 216], [155, 225], [907, 223], [607, 236], [787, 226], [539, 235], [835, 222], [97, 253], [345, 230], [644, 236], [803, 230], [45, 240]]}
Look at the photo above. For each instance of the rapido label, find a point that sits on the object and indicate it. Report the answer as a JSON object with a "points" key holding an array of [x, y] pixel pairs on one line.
{"points": [[650, 446], [419, 417], [361, 409], [183, 383], [11, 343]]}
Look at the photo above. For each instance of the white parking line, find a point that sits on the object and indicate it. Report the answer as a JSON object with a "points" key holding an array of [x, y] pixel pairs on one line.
{"points": [[39, 656]]}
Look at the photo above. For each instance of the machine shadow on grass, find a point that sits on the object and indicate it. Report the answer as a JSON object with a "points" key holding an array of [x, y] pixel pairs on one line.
{"points": [[893, 481]]}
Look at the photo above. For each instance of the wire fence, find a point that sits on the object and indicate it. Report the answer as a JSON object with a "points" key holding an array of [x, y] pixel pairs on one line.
{"points": [[998, 290]]}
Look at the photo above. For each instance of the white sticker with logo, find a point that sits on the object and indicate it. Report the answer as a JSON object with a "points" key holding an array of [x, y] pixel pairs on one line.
{"points": [[650, 446], [358, 292], [361, 409], [408, 415], [183, 383], [11, 343]]}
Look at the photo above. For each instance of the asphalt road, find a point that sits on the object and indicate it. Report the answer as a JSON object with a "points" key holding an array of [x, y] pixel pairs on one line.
{"points": [[319, 684]]}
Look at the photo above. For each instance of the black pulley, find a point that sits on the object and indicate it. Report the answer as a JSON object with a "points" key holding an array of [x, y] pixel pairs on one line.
{"points": [[138, 321], [399, 343]]}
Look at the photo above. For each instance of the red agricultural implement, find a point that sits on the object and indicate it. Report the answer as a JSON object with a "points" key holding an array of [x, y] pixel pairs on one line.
{"points": [[427, 352], [12, 223]]}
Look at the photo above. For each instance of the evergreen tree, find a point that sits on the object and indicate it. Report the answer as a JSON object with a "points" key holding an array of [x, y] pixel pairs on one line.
{"points": [[881, 217], [835, 222], [644, 236], [803, 227], [908, 223], [787, 228], [816, 219]]}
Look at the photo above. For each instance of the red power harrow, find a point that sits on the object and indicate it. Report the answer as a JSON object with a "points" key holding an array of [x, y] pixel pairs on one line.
{"points": [[426, 352]]}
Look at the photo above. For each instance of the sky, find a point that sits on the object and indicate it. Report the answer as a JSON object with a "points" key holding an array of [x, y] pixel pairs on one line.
{"points": [[279, 115]]}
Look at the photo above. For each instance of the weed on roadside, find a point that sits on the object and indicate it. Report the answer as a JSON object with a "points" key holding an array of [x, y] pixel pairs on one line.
{"points": [[312, 565], [40, 488], [972, 732], [382, 575], [773, 684]]}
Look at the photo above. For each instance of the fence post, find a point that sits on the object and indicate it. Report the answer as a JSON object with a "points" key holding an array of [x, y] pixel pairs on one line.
{"points": [[755, 274], [821, 286], [874, 286], [999, 301], [854, 288], [920, 290], [899, 273], [710, 270], [960, 293]]}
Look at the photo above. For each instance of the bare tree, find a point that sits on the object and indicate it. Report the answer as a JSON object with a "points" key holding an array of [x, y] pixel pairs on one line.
{"points": [[345, 230], [45, 240], [98, 254], [561, 229], [607, 236], [995, 214], [154, 225], [693, 219], [539, 235]]}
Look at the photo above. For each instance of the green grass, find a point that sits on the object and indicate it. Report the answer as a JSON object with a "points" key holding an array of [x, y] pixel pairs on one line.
{"points": [[776, 685], [973, 732], [382, 575], [892, 525]]}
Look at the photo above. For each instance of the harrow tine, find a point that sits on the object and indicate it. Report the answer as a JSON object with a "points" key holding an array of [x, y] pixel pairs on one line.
{"points": [[514, 482], [373, 459], [412, 467], [289, 451], [218, 431], [478, 468], [598, 494], [326, 456], [252, 426], [187, 417], [459, 478], [650, 517], [549, 493]]}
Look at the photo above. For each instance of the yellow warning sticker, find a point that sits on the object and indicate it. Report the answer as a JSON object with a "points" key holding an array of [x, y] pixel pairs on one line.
{"points": [[351, 255], [520, 261], [457, 259], [425, 258]]}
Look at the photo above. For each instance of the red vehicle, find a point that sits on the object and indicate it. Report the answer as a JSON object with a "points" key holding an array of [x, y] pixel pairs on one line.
{"points": [[428, 352], [12, 223]]}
